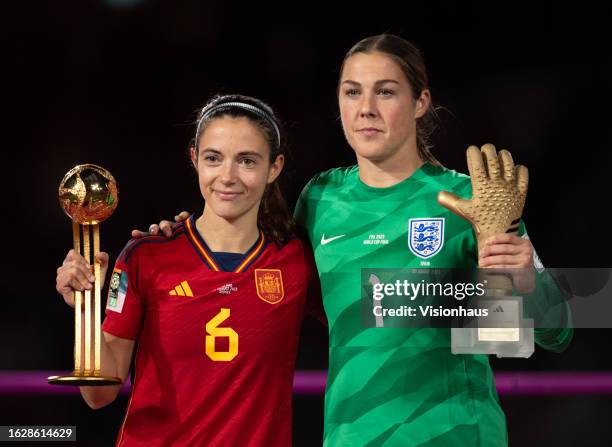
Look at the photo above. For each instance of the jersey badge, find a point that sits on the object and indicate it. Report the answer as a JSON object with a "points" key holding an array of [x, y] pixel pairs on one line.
{"points": [[425, 236], [537, 263], [117, 290], [269, 285]]}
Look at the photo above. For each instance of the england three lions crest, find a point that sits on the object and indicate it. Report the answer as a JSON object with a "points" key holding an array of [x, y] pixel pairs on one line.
{"points": [[269, 285], [425, 236]]}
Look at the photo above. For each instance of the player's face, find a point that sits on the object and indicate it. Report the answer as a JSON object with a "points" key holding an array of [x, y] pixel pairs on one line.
{"points": [[233, 164], [377, 107]]}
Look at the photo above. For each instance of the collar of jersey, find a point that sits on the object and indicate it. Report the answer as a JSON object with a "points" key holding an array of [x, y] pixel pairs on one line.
{"points": [[208, 256], [425, 170]]}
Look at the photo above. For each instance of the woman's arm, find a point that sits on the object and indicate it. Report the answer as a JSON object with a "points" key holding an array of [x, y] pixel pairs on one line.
{"points": [[116, 356], [115, 352]]}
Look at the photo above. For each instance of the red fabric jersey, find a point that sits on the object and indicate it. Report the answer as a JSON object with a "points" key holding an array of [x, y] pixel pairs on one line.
{"points": [[216, 350]]}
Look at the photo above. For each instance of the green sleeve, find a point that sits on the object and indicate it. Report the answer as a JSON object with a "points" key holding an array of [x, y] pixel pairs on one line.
{"points": [[548, 305]]}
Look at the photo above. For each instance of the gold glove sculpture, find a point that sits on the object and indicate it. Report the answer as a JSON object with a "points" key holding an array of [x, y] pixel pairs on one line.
{"points": [[499, 190]]}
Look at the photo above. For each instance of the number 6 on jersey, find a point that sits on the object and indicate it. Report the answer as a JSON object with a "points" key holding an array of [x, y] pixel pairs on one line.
{"points": [[212, 331]]}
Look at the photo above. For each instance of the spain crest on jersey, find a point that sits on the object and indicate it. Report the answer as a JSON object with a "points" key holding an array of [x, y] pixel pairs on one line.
{"points": [[425, 236], [269, 285]]}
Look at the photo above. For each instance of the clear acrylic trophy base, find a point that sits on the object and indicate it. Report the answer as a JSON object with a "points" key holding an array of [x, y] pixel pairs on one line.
{"points": [[513, 338], [469, 341]]}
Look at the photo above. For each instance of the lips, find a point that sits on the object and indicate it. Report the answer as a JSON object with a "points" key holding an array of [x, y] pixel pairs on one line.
{"points": [[226, 195], [369, 131]]}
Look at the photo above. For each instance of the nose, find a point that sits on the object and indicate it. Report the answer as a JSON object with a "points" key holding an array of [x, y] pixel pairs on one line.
{"points": [[367, 108], [227, 175]]}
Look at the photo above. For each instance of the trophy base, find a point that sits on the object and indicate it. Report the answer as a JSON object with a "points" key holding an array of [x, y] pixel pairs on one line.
{"points": [[84, 380], [514, 337], [470, 341]]}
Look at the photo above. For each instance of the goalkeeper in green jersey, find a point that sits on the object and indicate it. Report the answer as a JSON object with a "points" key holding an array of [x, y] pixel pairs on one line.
{"points": [[398, 386]]}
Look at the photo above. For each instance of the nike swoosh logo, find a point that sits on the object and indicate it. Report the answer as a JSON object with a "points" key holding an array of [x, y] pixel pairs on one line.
{"points": [[327, 241]]}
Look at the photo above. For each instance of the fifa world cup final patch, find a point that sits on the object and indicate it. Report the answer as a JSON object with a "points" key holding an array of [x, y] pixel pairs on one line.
{"points": [[269, 285], [117, 290]]}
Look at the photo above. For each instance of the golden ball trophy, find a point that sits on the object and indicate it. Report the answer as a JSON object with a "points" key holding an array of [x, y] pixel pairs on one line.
{"points": [[88, 194]]}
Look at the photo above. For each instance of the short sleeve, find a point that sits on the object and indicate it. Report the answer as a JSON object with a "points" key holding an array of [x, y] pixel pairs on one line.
{"points": [[124, 306]]}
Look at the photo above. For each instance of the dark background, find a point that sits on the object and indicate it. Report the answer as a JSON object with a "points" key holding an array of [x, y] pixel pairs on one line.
{"points": [[97, 82]]}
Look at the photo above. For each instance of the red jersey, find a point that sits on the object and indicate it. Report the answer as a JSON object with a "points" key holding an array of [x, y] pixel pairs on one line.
{"points": [[216, 350]]}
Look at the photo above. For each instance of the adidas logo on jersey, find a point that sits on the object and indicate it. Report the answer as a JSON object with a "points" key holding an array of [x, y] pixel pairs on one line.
{"points": [[227, 289], [182, 289]]}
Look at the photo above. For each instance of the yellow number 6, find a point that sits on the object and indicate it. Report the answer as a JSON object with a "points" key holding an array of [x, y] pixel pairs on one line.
{"points": [[213, 331]]}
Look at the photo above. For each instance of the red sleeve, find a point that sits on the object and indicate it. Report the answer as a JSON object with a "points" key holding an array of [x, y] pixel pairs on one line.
{"points": [[124, 305], [314, 301]]}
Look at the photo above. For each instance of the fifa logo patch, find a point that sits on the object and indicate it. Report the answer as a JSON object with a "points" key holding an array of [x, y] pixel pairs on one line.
{"points": [[425, 236], [269, 285], [117, 290]]}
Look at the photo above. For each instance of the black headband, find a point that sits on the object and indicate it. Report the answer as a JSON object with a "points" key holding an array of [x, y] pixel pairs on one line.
{"points": [[240, 105]]}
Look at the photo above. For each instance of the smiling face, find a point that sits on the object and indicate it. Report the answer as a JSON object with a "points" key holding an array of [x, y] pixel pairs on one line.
{"points": [[377, 107], [233, 164]]}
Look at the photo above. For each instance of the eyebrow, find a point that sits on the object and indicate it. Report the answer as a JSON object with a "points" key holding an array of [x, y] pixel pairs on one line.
{"points": [[240, 154], [382, 81]]}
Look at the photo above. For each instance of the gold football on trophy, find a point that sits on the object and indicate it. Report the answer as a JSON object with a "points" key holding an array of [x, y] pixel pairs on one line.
{"points": [[88, 194]]}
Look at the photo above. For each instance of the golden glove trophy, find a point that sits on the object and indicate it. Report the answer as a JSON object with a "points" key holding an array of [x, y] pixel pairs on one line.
{"points": [[88, 194], [499, 191]]}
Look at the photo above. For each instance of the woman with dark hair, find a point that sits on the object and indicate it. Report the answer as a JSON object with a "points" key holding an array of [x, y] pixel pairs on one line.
{"points": [[401, 386], [214, 311]]}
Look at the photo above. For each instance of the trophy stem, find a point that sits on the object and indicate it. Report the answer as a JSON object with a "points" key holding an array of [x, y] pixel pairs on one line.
{"points": [[78, 304], [98, 282], [87, 376], [497, 284], [87, 256]]}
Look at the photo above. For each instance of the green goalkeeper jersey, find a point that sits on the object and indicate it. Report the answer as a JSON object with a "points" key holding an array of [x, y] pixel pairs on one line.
{"points": [[396, 386]]}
